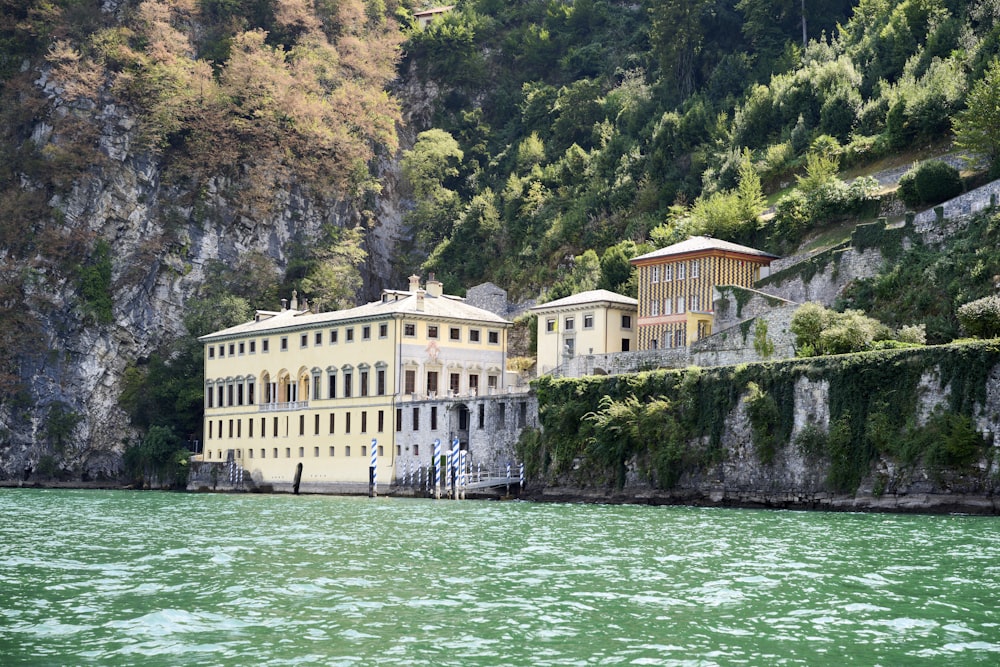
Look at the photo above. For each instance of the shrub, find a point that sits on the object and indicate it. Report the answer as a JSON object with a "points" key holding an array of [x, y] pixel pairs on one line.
{"points": [[929, 183], [981, 317]]}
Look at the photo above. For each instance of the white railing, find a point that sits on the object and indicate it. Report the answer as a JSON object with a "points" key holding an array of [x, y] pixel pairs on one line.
{"points": [[283, 407]]}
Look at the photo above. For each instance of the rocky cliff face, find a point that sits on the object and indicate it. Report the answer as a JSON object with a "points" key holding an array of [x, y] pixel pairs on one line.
{"points": [[64, 370]]}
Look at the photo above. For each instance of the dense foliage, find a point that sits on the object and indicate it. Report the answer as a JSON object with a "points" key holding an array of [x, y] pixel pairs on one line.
{"points": [[923, 284], [582, 124], [668, 424]]}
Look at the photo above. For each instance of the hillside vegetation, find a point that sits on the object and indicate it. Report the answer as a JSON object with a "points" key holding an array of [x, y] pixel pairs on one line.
{"points": [[569, 127], [167, 164]]}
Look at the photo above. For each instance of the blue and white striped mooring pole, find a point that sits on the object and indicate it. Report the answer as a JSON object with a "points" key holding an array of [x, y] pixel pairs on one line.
{"points": [[437, 464], [454, 468], [373, 471], [522, 476], [508, 478]]}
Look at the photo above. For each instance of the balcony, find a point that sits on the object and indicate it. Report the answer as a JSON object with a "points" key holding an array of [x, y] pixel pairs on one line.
{"points": [[284, 407]]}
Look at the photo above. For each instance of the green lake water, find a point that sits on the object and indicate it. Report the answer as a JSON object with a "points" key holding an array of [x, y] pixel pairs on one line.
{"points": [[133, 578]]}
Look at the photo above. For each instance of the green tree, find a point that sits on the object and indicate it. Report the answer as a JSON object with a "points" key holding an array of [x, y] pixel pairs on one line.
{"points": [[430, 168], [334, 280], [977, 129]]}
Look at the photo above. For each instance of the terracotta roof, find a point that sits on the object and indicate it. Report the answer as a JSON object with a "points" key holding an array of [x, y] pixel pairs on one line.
{"points": [[444, 307], [700, 244], [589, 297]]}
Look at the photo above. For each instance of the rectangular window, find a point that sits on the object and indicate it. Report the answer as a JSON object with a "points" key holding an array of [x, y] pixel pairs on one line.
{"points": [[380, 382], [668, 273], [253, 349], [366, 332], [454, 333], [347, 422], [588, 321], [331, 385], [288, 452], [432, 382], [302, 424], [432, 331], [221, 390], [434, 418], [274, 453], [416, 450], [284, 343], [626, 344], [654, 274], [416, 419], [316, 452], [333, 450], [482, 415], [265, 344], [680, 270], [680, 305], [454, 382], [263, 427], [211, 397], [693, 302], [654, 308], [364, 450], [317, 387], [550, 325], [304, 340], [242, 348], [347, 450], [349, 334], [409, 330], [302, 452], [399, 419], [668, 306], [381, 420], [569, 323], [263, 453], [211, 352], [333, 336], [318, 340], [363, 377], [275, 425], [348, 377], [364, 421], [316, 425], [333, 423], [229, 395], [383, 330], [409, 382], [250, 427], [211, 424], [222, 350], [493, 338], [491, 381], [626, 321], [695, 264], [473, 335], [232, 349]]}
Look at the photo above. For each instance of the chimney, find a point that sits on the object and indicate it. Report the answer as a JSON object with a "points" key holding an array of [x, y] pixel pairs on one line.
{"points": [[284, 304], [420, 299], [295, 299], [414, 282], [433, 286]]}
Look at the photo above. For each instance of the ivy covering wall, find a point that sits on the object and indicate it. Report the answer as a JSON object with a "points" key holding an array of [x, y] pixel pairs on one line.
{"points": [[671, 423]]}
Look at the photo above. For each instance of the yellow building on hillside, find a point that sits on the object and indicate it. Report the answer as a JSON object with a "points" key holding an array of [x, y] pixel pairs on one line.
{"points": [[294, 387], [593, 322], [676, 286]]}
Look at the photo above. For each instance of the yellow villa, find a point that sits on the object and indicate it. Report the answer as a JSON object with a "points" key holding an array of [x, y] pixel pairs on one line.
{"points": [[293, 387], [676, 286], [593, 322]]}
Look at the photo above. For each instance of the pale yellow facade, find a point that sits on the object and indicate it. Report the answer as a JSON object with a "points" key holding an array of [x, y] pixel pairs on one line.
{"points": [[593, 322], [318, 389]]}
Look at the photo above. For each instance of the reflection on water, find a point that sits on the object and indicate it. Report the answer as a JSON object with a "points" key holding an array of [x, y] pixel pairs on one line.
{"points": [[101, 577]]}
